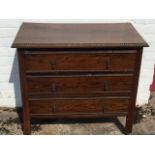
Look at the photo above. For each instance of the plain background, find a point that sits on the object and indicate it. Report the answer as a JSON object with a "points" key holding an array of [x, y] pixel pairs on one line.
{"points": [[79, 9]]}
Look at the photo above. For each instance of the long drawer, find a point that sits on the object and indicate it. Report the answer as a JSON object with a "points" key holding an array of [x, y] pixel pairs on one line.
{"points": [[46, 61], [79, 84], [79, 105]]}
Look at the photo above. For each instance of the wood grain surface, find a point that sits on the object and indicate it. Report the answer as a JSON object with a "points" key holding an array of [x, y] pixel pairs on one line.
{"points": [[45, 35], [103, 60]]}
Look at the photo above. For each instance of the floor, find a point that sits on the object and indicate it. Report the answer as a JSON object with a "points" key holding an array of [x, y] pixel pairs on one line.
{"points": [[144, 124]]}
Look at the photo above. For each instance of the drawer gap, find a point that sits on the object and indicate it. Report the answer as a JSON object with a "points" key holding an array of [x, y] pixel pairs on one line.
{"points": [[77, 72]]}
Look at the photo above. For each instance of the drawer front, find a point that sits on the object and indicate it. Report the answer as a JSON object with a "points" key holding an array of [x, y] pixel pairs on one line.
{"points": [[85, 61], [54, 106], [79, 84]]}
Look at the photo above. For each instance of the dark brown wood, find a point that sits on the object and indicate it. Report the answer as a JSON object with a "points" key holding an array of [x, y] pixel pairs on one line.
{"points": [[45, 95], [80, 84], [23, 84], [78, 70], [79, 115], [80, 61], [79, 105], [34, 35], [130, 116]]}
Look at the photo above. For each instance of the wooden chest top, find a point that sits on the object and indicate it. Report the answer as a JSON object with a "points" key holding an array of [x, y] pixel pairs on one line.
{"points": [[45, 35]]}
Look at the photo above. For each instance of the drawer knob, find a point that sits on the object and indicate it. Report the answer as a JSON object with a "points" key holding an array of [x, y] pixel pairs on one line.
{"points": [[53, 108], [53, 87], [108, 63], [105, 86], [53, 64], [103, 107]]}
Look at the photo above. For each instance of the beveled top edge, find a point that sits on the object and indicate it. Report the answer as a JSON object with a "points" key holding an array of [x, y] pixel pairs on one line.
{"points": [[79, 35]]}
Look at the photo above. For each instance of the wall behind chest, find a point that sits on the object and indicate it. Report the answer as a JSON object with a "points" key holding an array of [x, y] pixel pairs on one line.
{"points": [[9, 79]]}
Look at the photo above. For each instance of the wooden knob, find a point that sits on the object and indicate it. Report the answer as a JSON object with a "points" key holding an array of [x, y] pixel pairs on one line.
{"points": [[53, 108], [103, 108], [53, 87], [108, 63], [53, 64], [105, 86]]}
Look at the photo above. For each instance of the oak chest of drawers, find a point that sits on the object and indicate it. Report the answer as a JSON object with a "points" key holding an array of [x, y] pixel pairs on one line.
{"points": [[78, 70]]}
